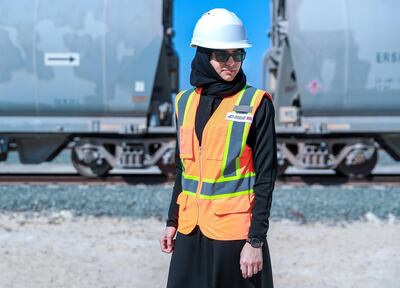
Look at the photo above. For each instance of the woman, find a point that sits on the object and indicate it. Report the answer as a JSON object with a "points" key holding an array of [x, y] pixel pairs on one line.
{"points": [[226, 167]]}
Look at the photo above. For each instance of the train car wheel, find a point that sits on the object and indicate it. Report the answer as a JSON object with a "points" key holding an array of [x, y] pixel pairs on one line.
{"points": [[92, 170], [358, 170]]}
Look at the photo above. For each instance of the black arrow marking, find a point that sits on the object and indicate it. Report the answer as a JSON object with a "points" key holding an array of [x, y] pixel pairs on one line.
{"points": [[70, 59]]}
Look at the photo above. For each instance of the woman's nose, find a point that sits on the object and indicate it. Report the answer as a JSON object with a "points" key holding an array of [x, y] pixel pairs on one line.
{"points": [[230, 60]]}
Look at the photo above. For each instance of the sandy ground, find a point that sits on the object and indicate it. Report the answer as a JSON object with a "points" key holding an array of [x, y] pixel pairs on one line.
{"points": [[65, 251]]}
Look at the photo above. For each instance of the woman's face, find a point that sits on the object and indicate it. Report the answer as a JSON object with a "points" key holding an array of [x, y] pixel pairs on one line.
{"points": [[228, 68]]}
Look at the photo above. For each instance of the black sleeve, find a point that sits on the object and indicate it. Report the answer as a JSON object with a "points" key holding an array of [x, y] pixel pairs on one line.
{"points": [[262, 140], [173, 207]]}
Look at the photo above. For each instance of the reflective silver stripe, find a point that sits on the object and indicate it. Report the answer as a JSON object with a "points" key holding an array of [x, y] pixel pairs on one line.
{"points": [[182, 102], [242, 108], [228, 187], [235, 143], [189, 184], [182, 106]]}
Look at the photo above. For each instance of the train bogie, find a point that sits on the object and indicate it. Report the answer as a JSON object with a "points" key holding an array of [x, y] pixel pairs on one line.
{"points": [[334, 72]]}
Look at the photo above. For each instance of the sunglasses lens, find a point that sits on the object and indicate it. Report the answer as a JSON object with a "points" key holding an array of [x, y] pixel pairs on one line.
{"points": [[238, 56], [223, 56]]}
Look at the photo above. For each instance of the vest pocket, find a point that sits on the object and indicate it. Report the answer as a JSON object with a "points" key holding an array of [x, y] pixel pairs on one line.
{"points": [[186, 142], [216, 143], [231, 205], [181, 200]]}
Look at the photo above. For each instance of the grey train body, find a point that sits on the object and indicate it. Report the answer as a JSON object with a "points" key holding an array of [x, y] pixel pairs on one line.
{"points": [[334, 71], [97, 76]]}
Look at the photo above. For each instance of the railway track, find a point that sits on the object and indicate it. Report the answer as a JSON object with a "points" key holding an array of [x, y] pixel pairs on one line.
{"points": [[77, 179], [132, 179]]}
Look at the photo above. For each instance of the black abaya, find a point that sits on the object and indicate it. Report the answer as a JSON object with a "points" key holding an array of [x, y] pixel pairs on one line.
{"points": [[200, 262]]}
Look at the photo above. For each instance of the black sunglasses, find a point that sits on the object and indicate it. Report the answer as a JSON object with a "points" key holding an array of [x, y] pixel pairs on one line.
{"points": [[223, 55]]}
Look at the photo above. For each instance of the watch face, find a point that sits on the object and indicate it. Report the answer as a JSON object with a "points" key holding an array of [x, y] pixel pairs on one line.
{"points": [[255, 243]]}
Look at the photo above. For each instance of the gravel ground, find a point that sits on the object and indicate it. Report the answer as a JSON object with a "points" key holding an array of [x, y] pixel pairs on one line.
{"points": [[327, 204], [63, 251]]}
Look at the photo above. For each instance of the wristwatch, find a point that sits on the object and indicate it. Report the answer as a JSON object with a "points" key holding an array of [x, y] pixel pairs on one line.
{"points": [[255, 242]]}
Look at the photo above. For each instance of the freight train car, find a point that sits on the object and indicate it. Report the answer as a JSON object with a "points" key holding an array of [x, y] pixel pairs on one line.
{"points": [[97, 76], [334, 71]]}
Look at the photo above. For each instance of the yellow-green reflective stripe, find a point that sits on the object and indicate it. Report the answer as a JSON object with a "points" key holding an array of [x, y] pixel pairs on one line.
{"points": [[182, 104], [183, 166], [246, 131], [207, 197], [230, 195], [192, 177], [187, 106], [222, 188], [177, 98], [228, 135], [254, 97], [189, 193], [236, 136], [182, 107]]}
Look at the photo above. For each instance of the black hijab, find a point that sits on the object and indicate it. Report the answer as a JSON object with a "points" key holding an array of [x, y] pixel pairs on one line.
{"points": [[204, 75], [214, 87]]}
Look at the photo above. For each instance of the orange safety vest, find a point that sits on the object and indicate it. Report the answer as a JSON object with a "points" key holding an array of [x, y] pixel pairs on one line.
{"points": [[218, 177]]}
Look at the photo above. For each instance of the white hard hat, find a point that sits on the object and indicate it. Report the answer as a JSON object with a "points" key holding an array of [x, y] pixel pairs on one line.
{"points": [[219, 29]]}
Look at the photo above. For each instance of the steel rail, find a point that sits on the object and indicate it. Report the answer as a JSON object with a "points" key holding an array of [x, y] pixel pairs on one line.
{"points": [[151, 179]]}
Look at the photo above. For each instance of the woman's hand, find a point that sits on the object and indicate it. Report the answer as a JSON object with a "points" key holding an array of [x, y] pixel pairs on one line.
{"points": [[167, 241], [251, 260]]}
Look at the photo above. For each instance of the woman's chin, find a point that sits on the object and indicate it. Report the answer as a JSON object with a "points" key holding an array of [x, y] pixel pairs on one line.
{"points": [[228, 76]]}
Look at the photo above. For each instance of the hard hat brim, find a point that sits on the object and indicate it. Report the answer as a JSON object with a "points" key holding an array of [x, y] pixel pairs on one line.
{"points": [[219, 45]]}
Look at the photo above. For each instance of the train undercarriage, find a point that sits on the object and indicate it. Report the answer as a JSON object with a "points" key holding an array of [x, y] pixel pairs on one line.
{"points": [[353, 157]]}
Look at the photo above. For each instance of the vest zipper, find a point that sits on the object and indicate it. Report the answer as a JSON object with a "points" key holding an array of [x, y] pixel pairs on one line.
{"points": [[199, 186]]}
